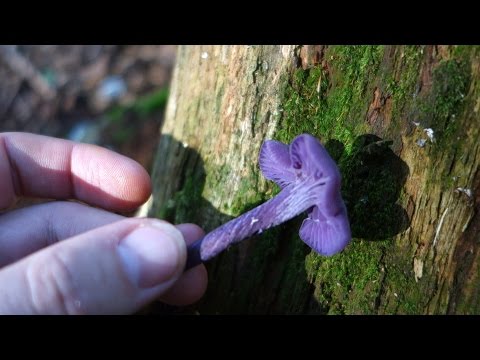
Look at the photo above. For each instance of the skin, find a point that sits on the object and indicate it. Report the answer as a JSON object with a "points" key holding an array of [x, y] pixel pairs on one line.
{"points": [[49, 249]]}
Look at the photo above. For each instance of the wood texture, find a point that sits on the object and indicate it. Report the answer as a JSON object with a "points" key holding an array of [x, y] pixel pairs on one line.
{"points": [[413, 200]]}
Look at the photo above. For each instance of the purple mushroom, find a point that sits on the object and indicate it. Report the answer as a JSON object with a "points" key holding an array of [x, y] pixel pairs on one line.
{"points": [[310, 181]]}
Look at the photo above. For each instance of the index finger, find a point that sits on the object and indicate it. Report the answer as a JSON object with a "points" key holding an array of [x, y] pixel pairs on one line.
{"points": [[41, 166]]}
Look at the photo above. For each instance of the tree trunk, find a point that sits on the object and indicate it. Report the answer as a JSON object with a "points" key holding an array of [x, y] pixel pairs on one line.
{"points": [[403, 124]]}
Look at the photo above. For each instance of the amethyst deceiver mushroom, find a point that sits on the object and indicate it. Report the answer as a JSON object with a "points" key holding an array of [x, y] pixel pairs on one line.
{"points": [[310, 181]]}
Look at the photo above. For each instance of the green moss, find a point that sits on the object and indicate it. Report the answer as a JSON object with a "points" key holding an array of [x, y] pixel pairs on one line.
{"points": [[450, 85], [354, 281], [329, 104], [373, 274], [348, 283], [332, 106], [401, 85], [465, 52], [409, 297], [246, 194], [441, 110], [470, 305], [184, 205]]}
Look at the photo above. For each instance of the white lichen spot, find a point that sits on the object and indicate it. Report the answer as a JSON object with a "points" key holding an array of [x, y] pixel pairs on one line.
{"points": [[466, 191], [285, 51], [265, 66], [229, 109], [172, 108], [418, 268], [430, 134], [439, 227], [204, 55], [254, 220], [421, 142]]}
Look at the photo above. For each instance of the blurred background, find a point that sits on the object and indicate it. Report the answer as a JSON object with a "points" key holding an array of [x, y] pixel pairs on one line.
{"points": [[109, 95]]}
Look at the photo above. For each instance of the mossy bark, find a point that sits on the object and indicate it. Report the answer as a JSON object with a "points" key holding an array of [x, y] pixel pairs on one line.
{"points": [[403, 124]]}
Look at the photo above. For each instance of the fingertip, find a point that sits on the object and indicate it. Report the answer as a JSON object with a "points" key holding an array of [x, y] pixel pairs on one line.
{"points": [[191, 286], [189, 289], [110, 180], [190, 232], [40, 166], [153, 255]]}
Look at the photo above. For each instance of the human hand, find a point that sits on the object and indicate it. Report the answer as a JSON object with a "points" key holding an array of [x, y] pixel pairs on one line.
{"points": [[68, 258]]}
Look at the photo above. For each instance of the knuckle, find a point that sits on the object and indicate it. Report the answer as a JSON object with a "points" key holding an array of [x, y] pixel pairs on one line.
{"points": [[52, 287]]}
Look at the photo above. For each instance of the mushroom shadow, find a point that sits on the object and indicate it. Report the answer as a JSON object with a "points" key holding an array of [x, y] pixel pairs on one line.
{"points": [[266, 273], [248, 277], [372, 179]]}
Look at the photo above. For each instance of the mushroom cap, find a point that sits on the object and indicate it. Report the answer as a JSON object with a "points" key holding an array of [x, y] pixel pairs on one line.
{"points": [[307, 164], [327, 235], [275, 163]]}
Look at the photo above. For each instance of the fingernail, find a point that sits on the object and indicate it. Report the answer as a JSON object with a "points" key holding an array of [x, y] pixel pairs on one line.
{"points": [[153, 254]]}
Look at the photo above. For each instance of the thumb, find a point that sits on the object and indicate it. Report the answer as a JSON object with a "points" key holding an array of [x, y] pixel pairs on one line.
{"points": [[114, 269]]}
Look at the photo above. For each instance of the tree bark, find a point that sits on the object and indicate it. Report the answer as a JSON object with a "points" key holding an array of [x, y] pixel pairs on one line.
{"points": [[403, 125]]}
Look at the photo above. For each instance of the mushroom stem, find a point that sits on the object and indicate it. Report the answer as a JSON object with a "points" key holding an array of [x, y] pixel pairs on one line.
{"points": [[290, 202], [310, 180]]}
